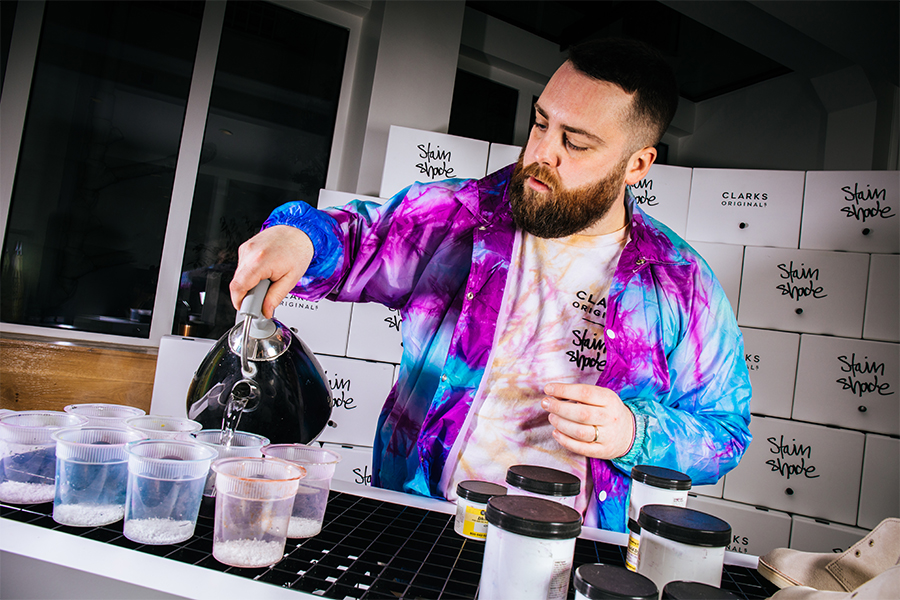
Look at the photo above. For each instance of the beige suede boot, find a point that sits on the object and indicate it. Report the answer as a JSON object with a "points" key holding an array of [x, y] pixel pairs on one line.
{"points": [[883, 587], [844, 572]]}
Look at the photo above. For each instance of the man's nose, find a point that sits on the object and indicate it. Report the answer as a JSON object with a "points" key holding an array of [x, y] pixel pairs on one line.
{"points": [[546, 152]]}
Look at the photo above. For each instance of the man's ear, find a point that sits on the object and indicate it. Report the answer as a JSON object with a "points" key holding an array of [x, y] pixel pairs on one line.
{"points": [[639, 164]]}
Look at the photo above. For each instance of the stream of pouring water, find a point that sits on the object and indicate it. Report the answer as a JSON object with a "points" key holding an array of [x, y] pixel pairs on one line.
{"points": [[241, 392]]}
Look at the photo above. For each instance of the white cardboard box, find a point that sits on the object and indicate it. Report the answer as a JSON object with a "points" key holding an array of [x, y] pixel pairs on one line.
{"points": [[882, 320], [848, 383], [501, 155], [665, 194], [855, 211], [754, 530], [746, 207], [416, 155], [808, 291], [771, 358], [800, 468], [879, 496], [176, 362], [713, 491], [355, 466], [727, 262], [358, 389], [375, 333], [816, 535]]}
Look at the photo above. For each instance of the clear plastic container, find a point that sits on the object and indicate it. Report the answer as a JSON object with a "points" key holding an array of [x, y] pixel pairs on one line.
{"points": [[609, 582], [91, 475], [651, 485], [165, 487], [242, 444], [312, 493], [156, 427], [544, 482], [28, 454], [529, 549], [254, 497], [681, 544], [105, 415], [471, 504]]}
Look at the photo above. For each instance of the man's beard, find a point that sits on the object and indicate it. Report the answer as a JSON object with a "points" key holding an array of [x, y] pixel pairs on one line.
{"points": [[560, 212]]}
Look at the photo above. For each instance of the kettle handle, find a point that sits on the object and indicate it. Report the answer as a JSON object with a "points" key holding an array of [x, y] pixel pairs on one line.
{"points": [[253, 301]]}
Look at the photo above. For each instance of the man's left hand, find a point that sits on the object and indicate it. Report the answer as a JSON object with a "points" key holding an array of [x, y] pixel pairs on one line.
{"points": [[589, 420]]}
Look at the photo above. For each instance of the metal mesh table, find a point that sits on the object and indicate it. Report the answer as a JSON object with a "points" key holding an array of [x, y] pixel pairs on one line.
{"points": [[368, 548]]}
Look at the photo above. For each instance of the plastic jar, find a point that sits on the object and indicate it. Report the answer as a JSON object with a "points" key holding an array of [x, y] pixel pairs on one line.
{"points": [[470, 507], [694, 590], [651, 485], [608, 582], [544, 482], [529, 549], [681, 544]]}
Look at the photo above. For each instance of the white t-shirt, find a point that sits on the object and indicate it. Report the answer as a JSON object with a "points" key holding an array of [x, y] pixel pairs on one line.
{"points": [[550, 329]]}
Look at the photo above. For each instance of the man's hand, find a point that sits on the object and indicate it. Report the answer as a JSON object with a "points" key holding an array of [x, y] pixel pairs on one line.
{"points": [[589, 420], [281, 254]]}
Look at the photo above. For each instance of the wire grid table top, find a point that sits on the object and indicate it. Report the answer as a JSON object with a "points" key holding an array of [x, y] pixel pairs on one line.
{"points": [[368, 548]]}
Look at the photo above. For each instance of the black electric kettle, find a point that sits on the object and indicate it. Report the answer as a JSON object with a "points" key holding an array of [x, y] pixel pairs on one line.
{"points": [[261, 378]]}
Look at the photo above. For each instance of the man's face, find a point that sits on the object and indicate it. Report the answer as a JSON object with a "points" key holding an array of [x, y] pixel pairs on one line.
{"points": [[571, 174]]}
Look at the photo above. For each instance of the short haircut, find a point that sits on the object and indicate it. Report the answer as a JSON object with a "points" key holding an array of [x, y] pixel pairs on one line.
{"points": [[638, 69]]}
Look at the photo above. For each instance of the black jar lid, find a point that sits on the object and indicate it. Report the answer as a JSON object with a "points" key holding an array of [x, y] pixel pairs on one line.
{"points": [[608, 582], [479, 491], [694, 590], [533, 517], [660, 477], [685, 525], [543, 480]]}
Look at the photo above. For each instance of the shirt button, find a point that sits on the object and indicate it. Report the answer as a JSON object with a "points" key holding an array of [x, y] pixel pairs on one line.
{"points": [[470, 295], [482, 228], [443, 378], [611, 334], [601, 496]]}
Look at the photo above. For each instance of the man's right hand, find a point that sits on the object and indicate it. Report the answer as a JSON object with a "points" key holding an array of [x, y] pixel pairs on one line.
{"points": [[280, 253]]}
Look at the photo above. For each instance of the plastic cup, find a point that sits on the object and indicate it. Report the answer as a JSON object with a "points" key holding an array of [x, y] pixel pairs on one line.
{"points": [[91, 475], [242, 444], [104, 415], [163, 428], [254, 497], [28, 454], [312, 493], [165, 487]]}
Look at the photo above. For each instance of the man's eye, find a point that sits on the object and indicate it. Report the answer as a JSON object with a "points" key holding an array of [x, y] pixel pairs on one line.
{"points": [[541, 126], [573, 146]]}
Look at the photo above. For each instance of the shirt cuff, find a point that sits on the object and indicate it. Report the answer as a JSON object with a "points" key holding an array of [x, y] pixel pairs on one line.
{"points": [[627, 460]]}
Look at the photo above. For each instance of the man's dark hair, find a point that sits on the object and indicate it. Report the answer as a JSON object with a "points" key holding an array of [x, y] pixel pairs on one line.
{"points": [[638, 69]]}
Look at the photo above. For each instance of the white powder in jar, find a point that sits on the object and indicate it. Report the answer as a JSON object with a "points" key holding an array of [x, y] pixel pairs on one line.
{"points": [[17, 492], [88, 515], [248, 553], [158, 531], [303, 528]]}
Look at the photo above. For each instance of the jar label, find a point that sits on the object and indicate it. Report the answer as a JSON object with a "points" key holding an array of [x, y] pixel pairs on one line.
{"points": [[631, 553], [475, 524], [559, 582]]}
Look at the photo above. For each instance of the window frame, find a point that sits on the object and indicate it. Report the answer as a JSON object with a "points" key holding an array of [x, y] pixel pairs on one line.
{"points": [[13, 108]]}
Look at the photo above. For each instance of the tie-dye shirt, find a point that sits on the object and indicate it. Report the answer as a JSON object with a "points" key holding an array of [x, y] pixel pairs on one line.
{"points": [[440, 253], [550, 328]]}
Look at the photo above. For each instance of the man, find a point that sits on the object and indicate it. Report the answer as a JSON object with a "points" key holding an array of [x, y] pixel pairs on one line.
{"points": [[546, 319]]}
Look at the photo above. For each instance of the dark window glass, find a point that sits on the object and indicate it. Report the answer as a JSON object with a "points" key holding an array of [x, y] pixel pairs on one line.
{"points": [[95, 172], [483, 109], [7, 19], [268, 139]]}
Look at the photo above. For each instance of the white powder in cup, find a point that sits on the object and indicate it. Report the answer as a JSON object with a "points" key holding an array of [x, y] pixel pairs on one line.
{"points": [[88, 515], [248, 553], [17, 492], [158, 531], [303, 528]]}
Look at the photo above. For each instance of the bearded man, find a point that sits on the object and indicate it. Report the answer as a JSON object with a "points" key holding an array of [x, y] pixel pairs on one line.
{"points": [[546, 319]]}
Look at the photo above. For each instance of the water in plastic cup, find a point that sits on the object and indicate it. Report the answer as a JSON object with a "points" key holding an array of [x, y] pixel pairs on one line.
{"points": [[312, 493], [165, 486], [254, 497], [156, 427], [28, 454], [104, 415], [242, 444], [91, 475]]}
